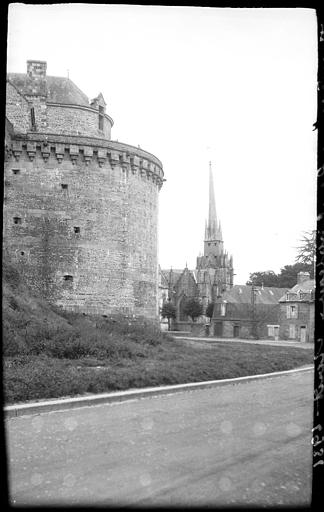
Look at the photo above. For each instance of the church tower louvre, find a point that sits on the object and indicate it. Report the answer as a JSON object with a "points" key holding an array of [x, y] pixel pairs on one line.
{"points": [[215, 268]]}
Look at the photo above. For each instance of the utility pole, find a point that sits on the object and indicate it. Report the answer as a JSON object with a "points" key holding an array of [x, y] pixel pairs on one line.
{"points": [[254, 291]]}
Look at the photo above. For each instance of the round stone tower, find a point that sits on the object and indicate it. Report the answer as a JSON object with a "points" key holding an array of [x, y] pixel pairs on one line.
{"points": [[80, 210]]}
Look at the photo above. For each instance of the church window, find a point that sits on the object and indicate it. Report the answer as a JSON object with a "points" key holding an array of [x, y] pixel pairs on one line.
{"points": [[17, 220], [223, 309]]}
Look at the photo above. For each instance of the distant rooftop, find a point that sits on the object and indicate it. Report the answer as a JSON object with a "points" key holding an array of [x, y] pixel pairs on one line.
{"points": [[242, 294]]}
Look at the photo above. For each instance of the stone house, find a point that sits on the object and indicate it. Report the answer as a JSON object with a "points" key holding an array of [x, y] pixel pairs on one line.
{"points": [[297, 310], [247, 312]]}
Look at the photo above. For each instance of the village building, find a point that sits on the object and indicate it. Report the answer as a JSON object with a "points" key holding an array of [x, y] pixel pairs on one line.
{"points": [[297, 310], [247, 312]]}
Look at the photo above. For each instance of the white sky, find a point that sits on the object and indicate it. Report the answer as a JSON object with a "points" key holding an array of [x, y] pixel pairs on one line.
{"points": [[192, 84]]}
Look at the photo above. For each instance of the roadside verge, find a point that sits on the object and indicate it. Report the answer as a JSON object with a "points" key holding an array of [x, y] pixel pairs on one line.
{"points": [[132, 394]]}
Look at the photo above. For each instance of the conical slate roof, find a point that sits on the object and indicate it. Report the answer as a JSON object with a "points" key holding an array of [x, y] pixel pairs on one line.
{"points": [[58, 89]]}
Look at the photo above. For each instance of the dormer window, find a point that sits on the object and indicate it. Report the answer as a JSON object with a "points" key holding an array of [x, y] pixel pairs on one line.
{"points": [[223, 309]]}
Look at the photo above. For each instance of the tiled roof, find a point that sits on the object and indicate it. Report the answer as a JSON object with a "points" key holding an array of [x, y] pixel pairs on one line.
{"points": [[305, 287], [59, 89], [173, 275], [242, 294]]}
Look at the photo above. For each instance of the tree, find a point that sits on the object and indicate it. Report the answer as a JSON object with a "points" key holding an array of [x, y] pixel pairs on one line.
{"points": [[307, 250], [210, 310], [288, 274], [266, 278], [193, 308], [168, 311]]}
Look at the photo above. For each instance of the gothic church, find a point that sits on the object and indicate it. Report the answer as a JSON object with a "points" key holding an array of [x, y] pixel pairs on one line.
{"points": [[214, 269]]}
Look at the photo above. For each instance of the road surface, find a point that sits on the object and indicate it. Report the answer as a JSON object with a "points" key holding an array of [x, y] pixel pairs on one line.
{"points": [[243, 444]]}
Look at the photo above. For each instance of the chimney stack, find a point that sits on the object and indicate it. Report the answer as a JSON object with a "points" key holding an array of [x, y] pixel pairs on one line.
{"points": [[36, 68]]}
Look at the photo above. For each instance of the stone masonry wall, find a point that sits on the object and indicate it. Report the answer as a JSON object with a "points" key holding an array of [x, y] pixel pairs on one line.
{"points": [[81, 223], [17, 109], [76, 121], [54, 118]]}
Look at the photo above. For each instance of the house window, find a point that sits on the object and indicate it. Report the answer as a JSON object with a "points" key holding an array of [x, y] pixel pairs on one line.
{"points": [[64, 186], [17, 220], [101, 118], [15, 171], [76, 229], [67, 277], [273, 331], [292, 311], [223, 309]]}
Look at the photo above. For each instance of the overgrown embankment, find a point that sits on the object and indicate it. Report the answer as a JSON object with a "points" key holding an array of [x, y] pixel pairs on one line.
{"points": [[52, 353]]}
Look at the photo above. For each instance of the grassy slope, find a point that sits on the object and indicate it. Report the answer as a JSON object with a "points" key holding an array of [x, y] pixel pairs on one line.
{"points": [[51, 353]]}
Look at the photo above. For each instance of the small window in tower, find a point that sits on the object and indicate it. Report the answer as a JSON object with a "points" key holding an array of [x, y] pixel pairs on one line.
{"points": [[67, 277], [32, 118], [76, 229], [101, 118], [15, 171], [64, 186], [17, 220]]}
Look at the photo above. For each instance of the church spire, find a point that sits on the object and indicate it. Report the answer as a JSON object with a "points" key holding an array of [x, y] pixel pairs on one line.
{"points": [[213, 230]]}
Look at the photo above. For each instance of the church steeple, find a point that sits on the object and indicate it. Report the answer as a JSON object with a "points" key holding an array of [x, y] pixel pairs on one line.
{"points": [[213, 228]]}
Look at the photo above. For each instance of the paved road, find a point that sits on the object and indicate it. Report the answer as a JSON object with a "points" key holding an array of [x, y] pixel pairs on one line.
{"points": [[212, 341], [241, 444]]}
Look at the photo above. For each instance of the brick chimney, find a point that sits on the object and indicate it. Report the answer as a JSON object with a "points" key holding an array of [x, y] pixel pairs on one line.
{"points": [[35, 91], [302, 276], [36, 68]]}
